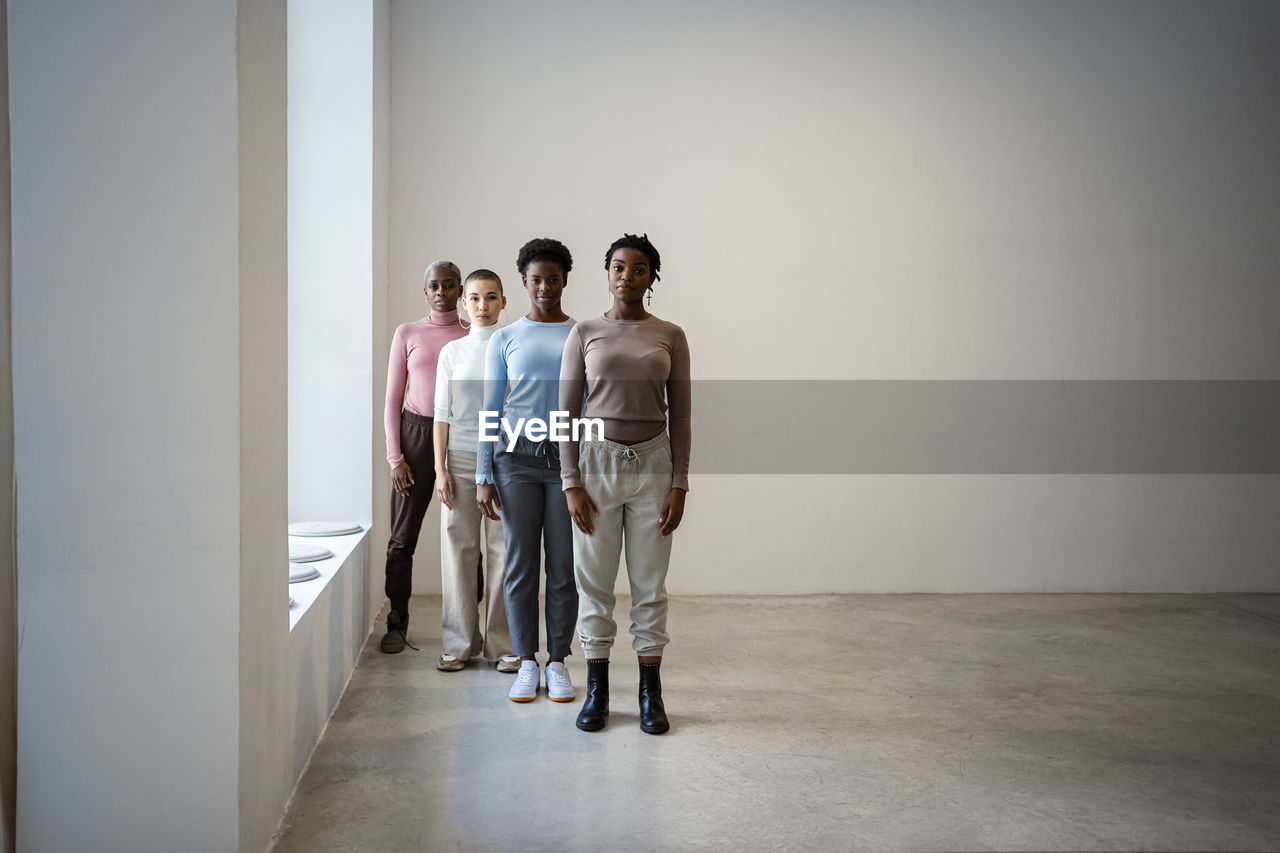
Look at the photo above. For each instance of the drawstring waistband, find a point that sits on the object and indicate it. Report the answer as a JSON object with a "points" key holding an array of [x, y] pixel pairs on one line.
{"points": [[545, 450], [627, 452]]}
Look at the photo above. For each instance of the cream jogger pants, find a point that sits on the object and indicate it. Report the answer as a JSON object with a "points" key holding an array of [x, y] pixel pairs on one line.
{"points": [[461, 632], [628, 485]]}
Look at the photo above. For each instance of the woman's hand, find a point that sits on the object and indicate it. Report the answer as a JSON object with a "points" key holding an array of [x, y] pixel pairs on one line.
{"points": [[444, 487], [672, 512], [581, 508], [487, 500], [402, 478]]}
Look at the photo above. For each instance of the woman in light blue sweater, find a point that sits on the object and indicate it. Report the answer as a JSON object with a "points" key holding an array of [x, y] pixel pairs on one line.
{"points": [[522, 484]]}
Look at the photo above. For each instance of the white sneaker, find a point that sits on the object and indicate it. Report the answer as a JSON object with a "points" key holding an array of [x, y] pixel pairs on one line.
{"points": [[525, 688], [559, 688]]}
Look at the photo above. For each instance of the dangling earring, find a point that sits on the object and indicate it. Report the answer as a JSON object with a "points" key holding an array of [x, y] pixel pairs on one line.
{"points": [[648, 296]]}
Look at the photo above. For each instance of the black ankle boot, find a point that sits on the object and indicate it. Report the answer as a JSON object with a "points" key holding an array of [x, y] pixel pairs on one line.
{"points": [[393, 642], [596, 706], [653, 716]]}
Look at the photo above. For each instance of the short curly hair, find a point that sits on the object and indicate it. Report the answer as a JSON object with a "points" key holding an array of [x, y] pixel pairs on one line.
{"points": [[641, 244], [544, 249]]}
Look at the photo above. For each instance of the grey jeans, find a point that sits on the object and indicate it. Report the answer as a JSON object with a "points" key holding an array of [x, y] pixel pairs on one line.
{"points": [[628, 485], [535, 517]]}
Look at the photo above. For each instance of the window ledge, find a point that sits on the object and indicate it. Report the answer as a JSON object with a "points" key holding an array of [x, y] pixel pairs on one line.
{"points": [[306, 593]]}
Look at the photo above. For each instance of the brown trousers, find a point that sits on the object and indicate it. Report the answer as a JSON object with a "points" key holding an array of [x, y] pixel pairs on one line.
{"points": [[407, 512]]}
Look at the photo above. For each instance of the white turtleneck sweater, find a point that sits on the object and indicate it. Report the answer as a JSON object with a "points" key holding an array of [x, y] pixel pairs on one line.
{"points": [[460, 387]]}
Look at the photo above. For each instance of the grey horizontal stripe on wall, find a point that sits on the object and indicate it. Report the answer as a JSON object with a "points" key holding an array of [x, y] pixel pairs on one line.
{"points": [[986, 427]]}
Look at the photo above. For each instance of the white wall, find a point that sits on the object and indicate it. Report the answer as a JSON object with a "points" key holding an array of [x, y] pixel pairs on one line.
{"points": [[8, 578], [339, 96], [885, 191], [331, 231], [157, 691], [381, 341], [127, 424], [268, 668], [322, 653]]}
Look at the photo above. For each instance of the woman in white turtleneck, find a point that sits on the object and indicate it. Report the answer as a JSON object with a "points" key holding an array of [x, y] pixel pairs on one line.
{"points": [[471, 549]]}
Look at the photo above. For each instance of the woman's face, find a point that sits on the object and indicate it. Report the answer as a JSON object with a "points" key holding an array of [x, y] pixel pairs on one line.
{"points": [[545, 280], [629, 274], [483, 300], [442, 289]]}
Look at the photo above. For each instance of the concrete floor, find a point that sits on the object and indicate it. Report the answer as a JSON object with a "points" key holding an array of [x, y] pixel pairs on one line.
{"points": [[823, 723]]}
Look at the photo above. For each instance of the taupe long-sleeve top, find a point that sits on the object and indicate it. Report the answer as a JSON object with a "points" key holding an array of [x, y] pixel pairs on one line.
{"points": [[636, 377]]}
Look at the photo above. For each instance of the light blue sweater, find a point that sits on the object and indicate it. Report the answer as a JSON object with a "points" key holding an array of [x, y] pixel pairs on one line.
{"points": [[521, 377]]}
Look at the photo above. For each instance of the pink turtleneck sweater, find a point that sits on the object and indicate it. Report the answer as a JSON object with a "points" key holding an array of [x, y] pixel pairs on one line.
{"points": [[411, 371]]}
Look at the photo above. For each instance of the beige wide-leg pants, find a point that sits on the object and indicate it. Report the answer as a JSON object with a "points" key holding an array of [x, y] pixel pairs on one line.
{"points": [[464, 535], [628, 485]]}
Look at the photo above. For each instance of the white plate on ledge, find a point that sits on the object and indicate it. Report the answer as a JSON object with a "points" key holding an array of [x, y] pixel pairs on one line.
{"points": [[297, 574], [323, 528], [303, 553]]}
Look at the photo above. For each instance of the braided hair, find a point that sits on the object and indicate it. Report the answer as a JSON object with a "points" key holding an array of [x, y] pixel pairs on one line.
{"points": [[544, 249], [641, 244]]}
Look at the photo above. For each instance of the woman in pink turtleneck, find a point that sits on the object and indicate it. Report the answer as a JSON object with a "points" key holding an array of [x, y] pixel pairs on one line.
{"points": [[411, 378]]}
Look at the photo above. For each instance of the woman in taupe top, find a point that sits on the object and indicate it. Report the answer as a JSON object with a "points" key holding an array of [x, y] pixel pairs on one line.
{"points": [[627, 489]]}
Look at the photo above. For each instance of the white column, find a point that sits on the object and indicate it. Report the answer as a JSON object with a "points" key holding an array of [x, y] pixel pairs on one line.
{"points": [[270, 738], [146, 397], [8, 606]]}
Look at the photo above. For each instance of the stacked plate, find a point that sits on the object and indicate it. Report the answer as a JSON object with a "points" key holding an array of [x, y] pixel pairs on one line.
{"points": [[302, 553], [300, 573]]}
